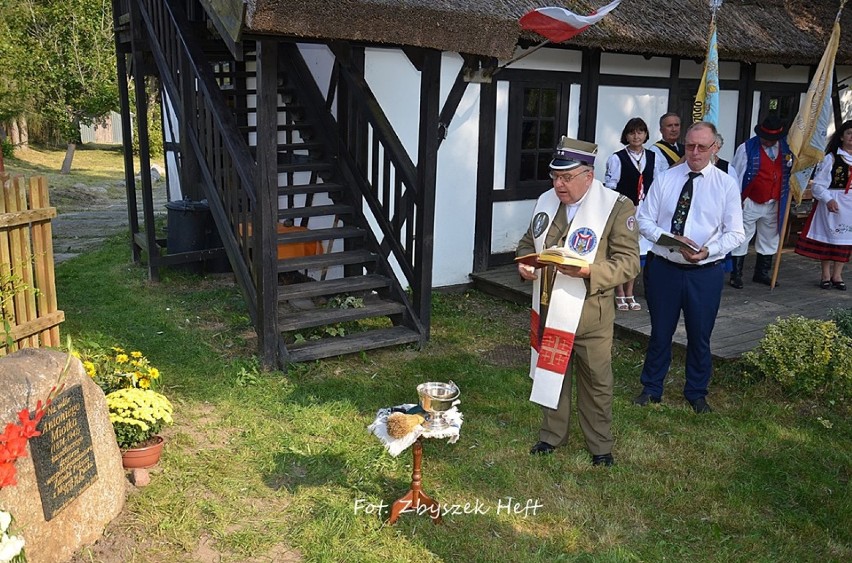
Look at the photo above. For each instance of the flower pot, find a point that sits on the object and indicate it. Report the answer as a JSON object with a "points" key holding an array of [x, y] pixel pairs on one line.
{"points": [[143, 457]]}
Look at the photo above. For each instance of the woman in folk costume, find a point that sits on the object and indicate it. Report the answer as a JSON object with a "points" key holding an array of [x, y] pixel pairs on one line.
{"points": [[571, 321], [827, 235], [630, 172]]}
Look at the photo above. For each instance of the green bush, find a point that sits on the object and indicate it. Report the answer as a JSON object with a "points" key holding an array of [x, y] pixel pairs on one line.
{"points": [[843, 319], [8, 148], [805, 357]]}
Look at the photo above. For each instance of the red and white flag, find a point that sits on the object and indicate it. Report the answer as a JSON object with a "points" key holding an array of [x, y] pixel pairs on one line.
{"points": [[559, 24]]}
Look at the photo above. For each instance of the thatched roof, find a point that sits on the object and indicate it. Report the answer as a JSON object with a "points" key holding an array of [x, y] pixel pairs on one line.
{"points": [[774, 31]]}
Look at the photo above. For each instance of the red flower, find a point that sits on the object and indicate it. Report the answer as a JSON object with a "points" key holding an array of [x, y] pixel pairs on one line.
{"points": [[12, 431], [7, 475], [29, 425], [17, 447]]}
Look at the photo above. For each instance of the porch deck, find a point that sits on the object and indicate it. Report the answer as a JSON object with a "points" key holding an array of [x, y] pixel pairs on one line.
{"points": [[743, 315]]}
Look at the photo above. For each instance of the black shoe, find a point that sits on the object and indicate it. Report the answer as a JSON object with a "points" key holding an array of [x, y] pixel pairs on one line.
{"points": [[700, 406], [542, 448], [737, 272], [644, 398], [763, 269], [605, 459]]}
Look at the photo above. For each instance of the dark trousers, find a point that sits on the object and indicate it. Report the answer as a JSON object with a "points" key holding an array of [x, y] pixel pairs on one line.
{"points": [[670, 289]]}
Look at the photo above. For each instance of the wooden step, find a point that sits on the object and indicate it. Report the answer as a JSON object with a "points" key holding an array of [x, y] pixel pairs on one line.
{"points": [[318, 188], [345, 258], [281, 127], [314, 211], [368, 282], [305, 146], [352, 343], [332, 233], [321, 317], [312, 166]]}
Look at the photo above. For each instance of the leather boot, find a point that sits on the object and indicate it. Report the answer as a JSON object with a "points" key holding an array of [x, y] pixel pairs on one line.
{"points": [[737, 273], [763, 269]]}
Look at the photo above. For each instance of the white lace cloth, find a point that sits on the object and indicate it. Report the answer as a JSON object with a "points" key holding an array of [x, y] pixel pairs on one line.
{"points": [[395, 446]]}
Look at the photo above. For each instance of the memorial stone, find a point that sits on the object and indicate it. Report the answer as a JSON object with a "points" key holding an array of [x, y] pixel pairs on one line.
{"points": [[71, 484]]}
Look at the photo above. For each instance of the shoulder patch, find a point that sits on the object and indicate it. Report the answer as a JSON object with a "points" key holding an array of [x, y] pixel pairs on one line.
{"points": [[631, 223], [540, 223]]}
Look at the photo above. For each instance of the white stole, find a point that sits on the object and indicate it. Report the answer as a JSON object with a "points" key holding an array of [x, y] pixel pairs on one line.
{"points": [[551, 351]]}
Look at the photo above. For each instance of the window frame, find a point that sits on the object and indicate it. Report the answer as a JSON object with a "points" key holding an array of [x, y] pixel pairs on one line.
{"points": [[515, 188]]}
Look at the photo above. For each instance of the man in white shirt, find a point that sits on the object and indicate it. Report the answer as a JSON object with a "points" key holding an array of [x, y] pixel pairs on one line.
{"points": [[669, 149], [699, 205]]}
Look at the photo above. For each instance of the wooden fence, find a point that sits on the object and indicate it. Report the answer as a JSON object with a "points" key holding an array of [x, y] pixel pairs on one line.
{"points": [[30, 318]]}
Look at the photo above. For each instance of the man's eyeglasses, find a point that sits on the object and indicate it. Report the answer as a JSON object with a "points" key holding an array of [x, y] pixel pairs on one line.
{"points": [[701, 148], [565, 178]]}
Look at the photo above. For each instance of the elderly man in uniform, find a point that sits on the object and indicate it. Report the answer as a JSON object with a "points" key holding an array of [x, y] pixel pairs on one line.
{"points": [[699, 205], [669, 150], [763, 164], [573, 308]]}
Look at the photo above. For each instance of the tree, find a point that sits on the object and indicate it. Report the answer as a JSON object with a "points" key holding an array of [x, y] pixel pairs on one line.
{"points": [[59, 58]]}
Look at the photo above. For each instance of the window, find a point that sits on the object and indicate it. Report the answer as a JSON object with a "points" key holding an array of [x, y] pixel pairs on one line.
{"points": [[537, 119]]}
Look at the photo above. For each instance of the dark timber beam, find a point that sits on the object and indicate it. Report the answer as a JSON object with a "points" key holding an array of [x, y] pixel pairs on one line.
{"points": [[144, 144], [265, 216], [427, 167], [485, 176], [121, 30], [452, 103]]}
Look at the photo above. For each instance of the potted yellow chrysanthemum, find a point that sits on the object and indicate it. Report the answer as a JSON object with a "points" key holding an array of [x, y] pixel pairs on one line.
{"points": [[119, 369], [137, 415]]}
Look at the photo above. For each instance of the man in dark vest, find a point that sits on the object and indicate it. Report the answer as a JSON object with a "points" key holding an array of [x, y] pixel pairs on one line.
{"points": [[763, 164], [669, 148]]}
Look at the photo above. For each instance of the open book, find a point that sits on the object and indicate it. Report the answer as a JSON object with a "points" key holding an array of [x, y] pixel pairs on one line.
{"points": [[563, 256], [669, 241]]}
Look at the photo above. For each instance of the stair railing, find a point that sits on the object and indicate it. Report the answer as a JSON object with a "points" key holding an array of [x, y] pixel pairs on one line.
{"points": [[375, 163], [230, 174]]}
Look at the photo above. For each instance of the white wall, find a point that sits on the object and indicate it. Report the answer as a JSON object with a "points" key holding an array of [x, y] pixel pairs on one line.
{"points": [[396, 84]]}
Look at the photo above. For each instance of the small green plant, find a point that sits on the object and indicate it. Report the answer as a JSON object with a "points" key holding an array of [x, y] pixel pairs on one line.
{"points": [[345, 302], [137, 415], [843, 319], [248, 374], [337, 329], [11, 285], [805, 357], [8, 148]]}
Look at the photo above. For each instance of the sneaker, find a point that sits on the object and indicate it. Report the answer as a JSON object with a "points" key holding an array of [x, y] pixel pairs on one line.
{"points": [[644, 398]]}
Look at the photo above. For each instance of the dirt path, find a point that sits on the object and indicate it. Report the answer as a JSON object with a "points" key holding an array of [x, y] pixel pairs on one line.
{"points": [[88, 215]]}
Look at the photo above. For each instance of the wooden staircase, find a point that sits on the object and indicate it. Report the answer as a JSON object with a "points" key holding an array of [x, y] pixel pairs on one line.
{"points": [[337, 292]]}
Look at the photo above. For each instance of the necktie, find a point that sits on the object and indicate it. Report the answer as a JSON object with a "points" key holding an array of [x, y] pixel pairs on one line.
{"points": [[683, 203]]}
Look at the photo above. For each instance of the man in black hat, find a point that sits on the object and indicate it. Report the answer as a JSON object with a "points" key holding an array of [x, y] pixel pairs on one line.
{"points": [[573, 309], [763, 164]]}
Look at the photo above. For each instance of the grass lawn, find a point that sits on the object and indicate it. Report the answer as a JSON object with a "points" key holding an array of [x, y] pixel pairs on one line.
{"points": [[271, 466], [93, 165]]}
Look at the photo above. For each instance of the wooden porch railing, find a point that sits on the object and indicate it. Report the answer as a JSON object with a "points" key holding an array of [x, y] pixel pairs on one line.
{"points": [[27, 285], [380, 169], [230, 174]]}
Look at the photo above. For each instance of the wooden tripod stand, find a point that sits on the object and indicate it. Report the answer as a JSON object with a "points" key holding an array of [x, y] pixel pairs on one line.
{"points": [[415, 498]]}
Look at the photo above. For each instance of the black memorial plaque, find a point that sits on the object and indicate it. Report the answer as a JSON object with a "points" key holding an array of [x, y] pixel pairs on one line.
{"points": [[63, 457]]}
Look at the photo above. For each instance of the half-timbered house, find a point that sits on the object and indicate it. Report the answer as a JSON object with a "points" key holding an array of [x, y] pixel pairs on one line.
{"points": [[380, 149]]}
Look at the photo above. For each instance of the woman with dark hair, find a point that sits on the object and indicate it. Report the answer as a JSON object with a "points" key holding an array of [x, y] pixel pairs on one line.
{"points": [[630, 172], [827, 235]]}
